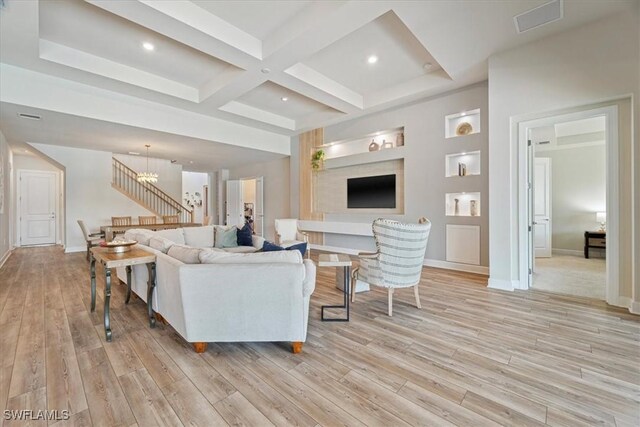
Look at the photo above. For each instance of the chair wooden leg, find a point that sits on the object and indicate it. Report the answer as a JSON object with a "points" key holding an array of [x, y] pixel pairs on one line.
{"points": [[416, 292], [200, 347], [390, 302], [88, 249], [296, 347], [354, 280]]}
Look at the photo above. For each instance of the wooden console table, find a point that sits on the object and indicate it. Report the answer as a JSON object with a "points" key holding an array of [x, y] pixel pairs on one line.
{"points": [[594, 240], [128, 259]]}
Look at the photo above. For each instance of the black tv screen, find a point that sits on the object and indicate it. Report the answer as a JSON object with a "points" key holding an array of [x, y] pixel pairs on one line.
{"points": [[371, 192]]}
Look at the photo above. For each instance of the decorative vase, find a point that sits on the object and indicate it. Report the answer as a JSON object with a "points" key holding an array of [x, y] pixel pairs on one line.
{"points": [[456, 208], [400, 139], [473, 207], [374, 146]]}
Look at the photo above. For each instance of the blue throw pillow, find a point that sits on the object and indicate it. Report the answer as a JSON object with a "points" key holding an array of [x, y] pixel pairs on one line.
{"points": [[244, 235], [271, 247]]}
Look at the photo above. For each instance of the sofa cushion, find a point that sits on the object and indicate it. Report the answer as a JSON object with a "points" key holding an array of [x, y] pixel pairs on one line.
{"points": [[211, 256], [226, 236], [140, 235], [241, 249], [258, 241], [161, 244], [176, 235], [244, 235], [186, 254], [272, 247], [199, 237]]}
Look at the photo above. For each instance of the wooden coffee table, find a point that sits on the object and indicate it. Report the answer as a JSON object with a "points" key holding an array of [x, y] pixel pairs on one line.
{"points": [[337, 260], [128, 259]]}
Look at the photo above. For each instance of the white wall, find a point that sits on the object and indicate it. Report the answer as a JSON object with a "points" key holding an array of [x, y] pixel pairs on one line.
{"points": [[578, 191], [169, 174], [193, 182], [89, 195], [582, 66], [33, 162], [276, 189], [5, 215]]}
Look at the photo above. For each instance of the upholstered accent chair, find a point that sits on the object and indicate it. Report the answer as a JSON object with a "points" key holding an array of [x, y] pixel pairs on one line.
{"points": [[147, 220], [287, 234], [398, 260], [120, 220], [92, 239], [170, 219]]}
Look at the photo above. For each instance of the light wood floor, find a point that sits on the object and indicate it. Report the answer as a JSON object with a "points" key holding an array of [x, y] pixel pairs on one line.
{"points": [[471, 356]]}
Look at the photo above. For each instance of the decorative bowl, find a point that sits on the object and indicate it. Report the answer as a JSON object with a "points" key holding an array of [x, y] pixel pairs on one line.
{"points": [[464, 128], [118, 246]]}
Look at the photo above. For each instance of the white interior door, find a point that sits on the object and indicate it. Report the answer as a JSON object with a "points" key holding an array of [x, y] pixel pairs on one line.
{"points": [[235, 208], [37, 208], [259, 207], [542, 207]]}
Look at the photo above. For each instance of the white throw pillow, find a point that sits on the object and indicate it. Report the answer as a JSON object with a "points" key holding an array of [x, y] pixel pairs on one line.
{"points": [[161, 244], [258, 241], [212, 256], [199, 237], [186, 254], [176, 235]]}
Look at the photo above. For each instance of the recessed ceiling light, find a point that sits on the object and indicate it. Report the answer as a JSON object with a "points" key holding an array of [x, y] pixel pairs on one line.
{"points": [[191, 162], [427, 66], [284, 98], [372, 59], [29, 116], [265, 70], [148, 46], [133, 153], [463, 114]]}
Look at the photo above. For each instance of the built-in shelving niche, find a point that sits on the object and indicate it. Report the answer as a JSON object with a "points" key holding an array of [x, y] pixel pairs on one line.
{"points": [[454, 122], [387, 139], [462, 164], [468, 204]]}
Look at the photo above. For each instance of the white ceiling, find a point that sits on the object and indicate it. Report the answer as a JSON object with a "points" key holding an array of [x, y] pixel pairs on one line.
{"points": [[210, 56]]}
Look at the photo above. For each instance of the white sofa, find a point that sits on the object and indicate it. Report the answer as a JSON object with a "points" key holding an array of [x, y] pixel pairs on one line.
{"points": [[235, 297]]}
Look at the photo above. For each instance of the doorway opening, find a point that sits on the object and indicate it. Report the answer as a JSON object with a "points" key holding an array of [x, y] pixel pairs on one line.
{"points": [[245, 203], [569, 207], [570, 177], [39, 207], [195, 194]]}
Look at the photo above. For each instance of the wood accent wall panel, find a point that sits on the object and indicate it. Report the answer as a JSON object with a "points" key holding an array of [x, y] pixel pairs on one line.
{"points": [[309, 141]]}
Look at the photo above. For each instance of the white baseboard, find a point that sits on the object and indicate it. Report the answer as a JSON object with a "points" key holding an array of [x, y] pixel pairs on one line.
{"points": [[5, 257], [478, 269], [72, 249], [567, 252], [503, 285], [634, 307]]}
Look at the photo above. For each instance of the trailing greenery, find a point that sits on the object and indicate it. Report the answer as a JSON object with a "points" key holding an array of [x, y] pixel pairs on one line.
{"points": [[316, 159]]}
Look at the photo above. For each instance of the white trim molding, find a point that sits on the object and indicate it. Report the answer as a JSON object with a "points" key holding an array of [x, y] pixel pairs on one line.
{"points": [[503, 285], [634, 307], [567, 252], [73, 249], [5, 257], [478, 269]]}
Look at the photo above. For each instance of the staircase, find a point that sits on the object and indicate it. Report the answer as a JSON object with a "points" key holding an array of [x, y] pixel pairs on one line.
{"points": [[125, 180]]}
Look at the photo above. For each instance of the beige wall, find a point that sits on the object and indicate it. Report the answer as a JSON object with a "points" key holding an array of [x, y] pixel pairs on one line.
{"points": [[578, 190], [580, 67], [5, 216], [276, 189]]}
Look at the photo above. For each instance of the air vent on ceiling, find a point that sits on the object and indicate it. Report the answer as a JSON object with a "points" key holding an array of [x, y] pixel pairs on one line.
{"points": [[29, 116], [543, 142], [539, 16]]}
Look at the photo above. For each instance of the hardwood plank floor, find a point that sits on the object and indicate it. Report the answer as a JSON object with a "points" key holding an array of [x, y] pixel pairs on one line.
{"points": [[471, 356]]}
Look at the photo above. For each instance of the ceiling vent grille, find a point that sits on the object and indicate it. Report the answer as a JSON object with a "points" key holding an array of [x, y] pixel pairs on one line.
{"points": [[29, 116], [539, 16]]}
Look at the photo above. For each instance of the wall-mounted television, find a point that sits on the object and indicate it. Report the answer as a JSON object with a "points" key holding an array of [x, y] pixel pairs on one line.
{"points": [[372, 192]]}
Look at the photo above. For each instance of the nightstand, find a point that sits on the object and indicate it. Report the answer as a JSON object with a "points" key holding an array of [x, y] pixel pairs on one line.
{"points": [[594, 240]]}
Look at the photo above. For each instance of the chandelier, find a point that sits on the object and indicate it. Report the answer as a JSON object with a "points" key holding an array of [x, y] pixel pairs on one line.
{"points": [[147, 176]]}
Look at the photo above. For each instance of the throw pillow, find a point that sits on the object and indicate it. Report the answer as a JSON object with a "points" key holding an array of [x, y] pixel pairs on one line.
{"points": [[186, 254], [244, 235], [226, 237], [176, 235], [161, 244], [199, 237], [271, 247]]}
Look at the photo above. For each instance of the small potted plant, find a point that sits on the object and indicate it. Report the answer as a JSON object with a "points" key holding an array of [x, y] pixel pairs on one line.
{"points": [[316, 160]]}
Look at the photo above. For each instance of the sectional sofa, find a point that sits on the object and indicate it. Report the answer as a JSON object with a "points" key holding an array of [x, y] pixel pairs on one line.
{"points": [[233, 294]]}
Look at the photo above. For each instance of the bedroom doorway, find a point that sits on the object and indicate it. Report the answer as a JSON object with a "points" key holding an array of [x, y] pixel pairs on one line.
{"points": [[568, 161]]}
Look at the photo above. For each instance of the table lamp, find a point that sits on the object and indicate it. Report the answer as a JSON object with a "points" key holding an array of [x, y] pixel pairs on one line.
{"points": [[601, 217]]}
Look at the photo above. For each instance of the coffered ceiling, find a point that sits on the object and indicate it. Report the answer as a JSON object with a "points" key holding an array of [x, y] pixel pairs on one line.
{"points": [[276, 67]]}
